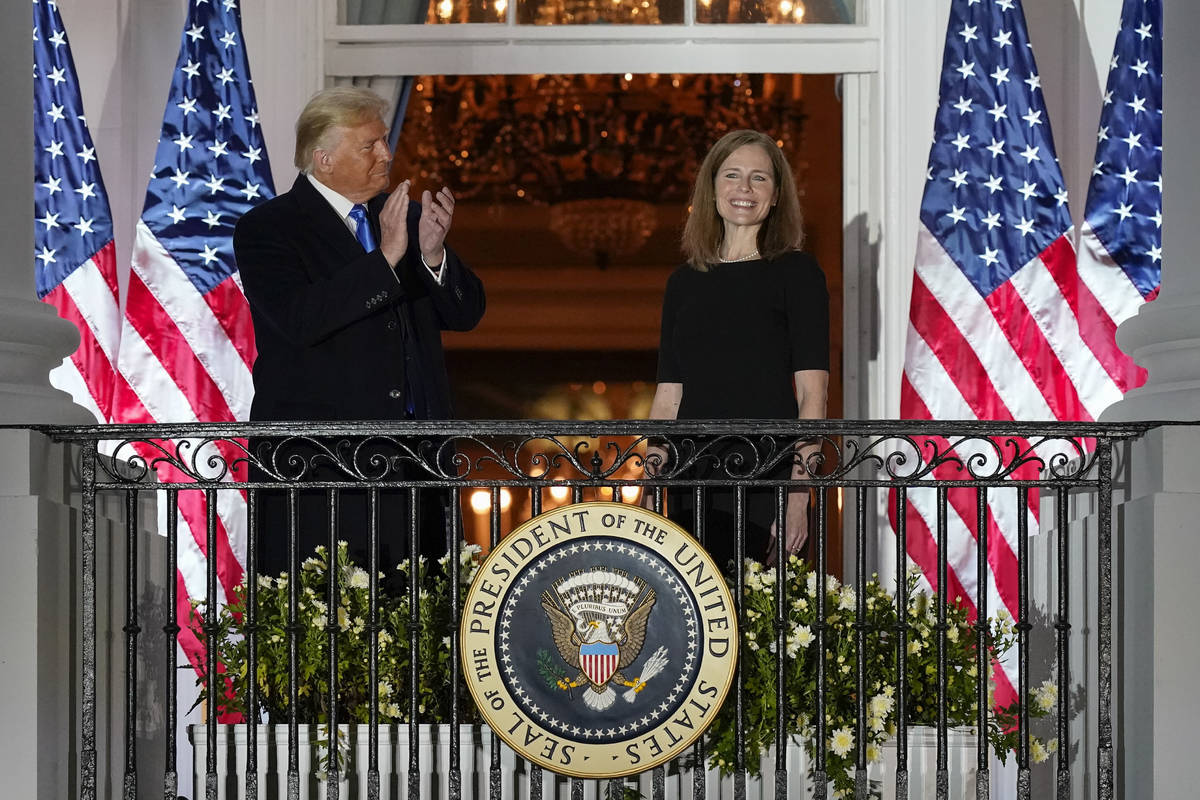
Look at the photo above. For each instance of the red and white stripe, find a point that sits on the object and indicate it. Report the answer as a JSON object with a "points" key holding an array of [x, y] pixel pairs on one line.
{"points": [[186, 357], [1033, 349], [599, 667], [87, 298], [1106, 298]]}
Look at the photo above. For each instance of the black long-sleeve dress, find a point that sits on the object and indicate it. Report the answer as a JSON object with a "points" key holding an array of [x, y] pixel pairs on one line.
{"points": [[733, 337]]}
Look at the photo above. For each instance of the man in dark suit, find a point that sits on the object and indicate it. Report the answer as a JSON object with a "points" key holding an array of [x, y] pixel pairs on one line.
{"points": [[349, 290]]}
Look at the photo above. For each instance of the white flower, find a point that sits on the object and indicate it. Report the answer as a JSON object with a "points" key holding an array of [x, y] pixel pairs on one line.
{"points": [[343, 618], [952, 633], [801, 636], [842, 741], [312, 565], [846, 601], [1046, 696], [265, 581], [874, 753], [1038, 751], [358, 578], [881, 705], [319, 607]]}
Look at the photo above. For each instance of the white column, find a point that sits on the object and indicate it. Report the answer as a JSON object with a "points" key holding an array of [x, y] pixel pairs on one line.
{"points": [[36, 668], [283, 38], [33, 339], [1164, 337], [1156, 552], [1156, 537]]}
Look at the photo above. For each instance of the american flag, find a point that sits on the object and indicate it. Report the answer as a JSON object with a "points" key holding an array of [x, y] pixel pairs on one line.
{"points": [[74, 259], [1120, 241], [1002, 327], [187, 344]]}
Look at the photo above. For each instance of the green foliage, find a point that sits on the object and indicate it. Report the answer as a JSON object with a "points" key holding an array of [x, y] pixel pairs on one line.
{"points": [[349, 627], [550, 668], [882, 629]]}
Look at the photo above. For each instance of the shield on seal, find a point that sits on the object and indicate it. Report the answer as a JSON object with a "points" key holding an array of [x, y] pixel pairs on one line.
{"points": [[599, 661]]}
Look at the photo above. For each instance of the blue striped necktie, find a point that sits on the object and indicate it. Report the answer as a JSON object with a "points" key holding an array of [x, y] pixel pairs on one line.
{"points": [[362, 228]]}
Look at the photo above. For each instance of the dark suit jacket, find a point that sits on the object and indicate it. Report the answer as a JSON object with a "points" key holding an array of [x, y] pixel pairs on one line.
{"points": [[336, 330]]}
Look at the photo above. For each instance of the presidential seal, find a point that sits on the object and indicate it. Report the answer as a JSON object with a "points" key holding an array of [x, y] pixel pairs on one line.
{"points": [[599, 640]]}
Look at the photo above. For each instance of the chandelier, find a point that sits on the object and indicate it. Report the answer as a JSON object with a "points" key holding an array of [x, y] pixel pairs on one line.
{"points": [[624, 12], [602, 152]]}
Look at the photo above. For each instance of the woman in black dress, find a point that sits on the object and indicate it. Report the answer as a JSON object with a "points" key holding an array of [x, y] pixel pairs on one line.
{"points": [[745, 330]]}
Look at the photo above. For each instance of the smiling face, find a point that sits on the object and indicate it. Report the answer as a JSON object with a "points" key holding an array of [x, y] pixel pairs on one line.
{"points": [[356, 163], [745, 188]]}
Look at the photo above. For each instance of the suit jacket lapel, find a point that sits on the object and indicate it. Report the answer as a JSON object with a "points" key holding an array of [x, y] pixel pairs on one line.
{"points": [[323, 220]]}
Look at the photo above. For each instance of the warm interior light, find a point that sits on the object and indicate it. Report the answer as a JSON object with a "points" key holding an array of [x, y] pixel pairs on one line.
{"points": [[505, 499], [481, 501], [445, 9], [630, 493], [560, 493], [501, 7]]}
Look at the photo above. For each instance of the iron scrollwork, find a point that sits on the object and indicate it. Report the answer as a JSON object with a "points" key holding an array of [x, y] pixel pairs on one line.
{"points": [[610, 452]]}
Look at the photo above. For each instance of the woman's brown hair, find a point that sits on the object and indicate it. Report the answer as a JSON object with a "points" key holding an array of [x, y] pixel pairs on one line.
{"points": [[781, 232]]}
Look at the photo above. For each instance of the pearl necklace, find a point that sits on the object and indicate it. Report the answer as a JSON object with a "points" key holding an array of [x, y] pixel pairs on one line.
{"points": [[748, 257]]}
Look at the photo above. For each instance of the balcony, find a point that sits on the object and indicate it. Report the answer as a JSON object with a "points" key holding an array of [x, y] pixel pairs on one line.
{"points": [[141, 502]]}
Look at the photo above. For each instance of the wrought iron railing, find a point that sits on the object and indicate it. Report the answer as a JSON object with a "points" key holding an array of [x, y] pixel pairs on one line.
{"points": [[872, 469]]}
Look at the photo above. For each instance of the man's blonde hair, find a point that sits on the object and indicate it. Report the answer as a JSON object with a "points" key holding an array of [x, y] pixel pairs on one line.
{"points": [[341, 106]]}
